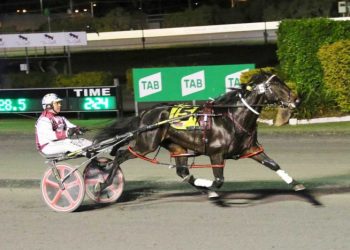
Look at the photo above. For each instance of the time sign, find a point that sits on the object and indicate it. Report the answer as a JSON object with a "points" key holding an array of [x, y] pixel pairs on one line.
{"points": [[84, 99], [95, 99]]}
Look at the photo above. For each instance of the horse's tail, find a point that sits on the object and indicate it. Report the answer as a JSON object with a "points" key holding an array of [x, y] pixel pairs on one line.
{"points": [[118, 127]]}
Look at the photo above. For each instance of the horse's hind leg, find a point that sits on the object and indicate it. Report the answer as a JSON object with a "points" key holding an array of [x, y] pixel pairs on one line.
{"points": [[121, 155], [112, 171], [200, 184], [182, 167], [183, 171], [268, 162]]}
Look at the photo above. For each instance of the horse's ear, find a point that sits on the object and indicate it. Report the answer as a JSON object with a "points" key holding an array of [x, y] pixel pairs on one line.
{"points": [[234, 88]]}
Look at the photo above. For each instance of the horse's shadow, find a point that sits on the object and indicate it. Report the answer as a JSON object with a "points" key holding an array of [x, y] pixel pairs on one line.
{"points": [[263, 196], [144, 193], [131, 195]]}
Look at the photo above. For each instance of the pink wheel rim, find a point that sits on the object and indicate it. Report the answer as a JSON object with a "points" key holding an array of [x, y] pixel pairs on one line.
{"points": [[68, 199], [93, 175]]}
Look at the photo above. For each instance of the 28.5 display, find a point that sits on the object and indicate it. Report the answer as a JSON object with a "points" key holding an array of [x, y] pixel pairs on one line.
{"points": [[14, 105]]}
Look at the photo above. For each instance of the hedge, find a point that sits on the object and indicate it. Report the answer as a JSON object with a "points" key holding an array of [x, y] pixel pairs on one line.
{"points": [[32, 80], [298, 43], [45, 80], [247, 75], [335, 61], [93, 78]]}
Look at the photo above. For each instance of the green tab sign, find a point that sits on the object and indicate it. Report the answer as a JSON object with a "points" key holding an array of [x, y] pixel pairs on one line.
{"points": [[186, 83]]}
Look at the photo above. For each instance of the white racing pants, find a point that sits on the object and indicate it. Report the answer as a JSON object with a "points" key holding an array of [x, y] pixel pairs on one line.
{"points": [[66, 145]]}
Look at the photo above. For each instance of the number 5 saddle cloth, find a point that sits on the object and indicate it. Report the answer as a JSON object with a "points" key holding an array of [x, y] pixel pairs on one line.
{"points": [[201, 119]]}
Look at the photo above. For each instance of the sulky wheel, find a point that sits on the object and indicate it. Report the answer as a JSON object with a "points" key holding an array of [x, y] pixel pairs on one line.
{"points": [[70, 197], [94, 174]]}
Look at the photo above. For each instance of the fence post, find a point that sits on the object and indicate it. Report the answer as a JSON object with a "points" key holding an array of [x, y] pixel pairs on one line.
{"points": [[119, 97]]}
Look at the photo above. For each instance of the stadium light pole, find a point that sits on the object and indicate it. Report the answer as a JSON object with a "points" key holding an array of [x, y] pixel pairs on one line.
{"points": [[92, 5], [71, 5], [41, 7], [189, 2]]}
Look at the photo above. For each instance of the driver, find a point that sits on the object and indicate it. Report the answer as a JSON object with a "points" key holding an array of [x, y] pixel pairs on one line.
{"points": [[53, 132]]}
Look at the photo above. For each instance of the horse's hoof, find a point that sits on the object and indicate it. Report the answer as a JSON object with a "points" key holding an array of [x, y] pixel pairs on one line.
{"points": [[298, 187], [212, 195], [187, 178]]}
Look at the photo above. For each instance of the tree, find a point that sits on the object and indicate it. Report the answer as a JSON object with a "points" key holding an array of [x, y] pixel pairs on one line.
{"points": [[283, 9], [68, 23], [204, 15], [120, 19]]}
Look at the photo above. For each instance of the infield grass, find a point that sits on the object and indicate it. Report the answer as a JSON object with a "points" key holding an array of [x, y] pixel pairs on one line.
{"points": [[27, 126]]}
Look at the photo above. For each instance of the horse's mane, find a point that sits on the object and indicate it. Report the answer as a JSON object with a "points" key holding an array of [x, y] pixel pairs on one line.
{"points": [[259, 77], [229, 97], [123, 125], [117, 127]]}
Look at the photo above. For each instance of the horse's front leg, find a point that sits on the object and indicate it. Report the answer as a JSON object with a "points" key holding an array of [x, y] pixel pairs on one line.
{"points": [[270, 163], [218, 164]]}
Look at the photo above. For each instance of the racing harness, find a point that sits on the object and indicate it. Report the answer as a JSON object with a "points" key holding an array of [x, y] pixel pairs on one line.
{"points": [[186, 117]]}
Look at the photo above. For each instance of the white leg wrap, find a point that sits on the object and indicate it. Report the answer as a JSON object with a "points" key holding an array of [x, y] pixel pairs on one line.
{"points": [[203, 183], [212, 195], [284, 176]]}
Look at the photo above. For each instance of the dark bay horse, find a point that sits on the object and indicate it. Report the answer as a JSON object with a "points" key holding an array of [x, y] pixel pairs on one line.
{"points": [[231, 133]]}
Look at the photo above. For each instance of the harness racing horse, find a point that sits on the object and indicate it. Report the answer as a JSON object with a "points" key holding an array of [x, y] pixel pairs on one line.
{"points": [[232, 133]]}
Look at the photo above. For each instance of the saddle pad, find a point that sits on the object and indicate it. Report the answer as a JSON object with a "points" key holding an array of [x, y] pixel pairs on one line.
{"points": [[189, 123]]}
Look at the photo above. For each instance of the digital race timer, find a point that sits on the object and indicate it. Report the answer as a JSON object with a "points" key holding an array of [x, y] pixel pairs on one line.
{"points": [[98, 103], [82, 99], [14, 105]]}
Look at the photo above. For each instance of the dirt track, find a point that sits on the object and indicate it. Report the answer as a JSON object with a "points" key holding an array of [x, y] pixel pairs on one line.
{"points": [[158, 212]]}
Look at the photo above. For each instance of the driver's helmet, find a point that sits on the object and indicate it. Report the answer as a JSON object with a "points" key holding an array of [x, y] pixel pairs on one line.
{"points": [[49, 99]]}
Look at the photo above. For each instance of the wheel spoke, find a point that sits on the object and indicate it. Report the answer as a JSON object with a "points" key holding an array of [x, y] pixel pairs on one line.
{"points": [[110, 188], [51, 183], [68, 196], [56, 198], [91, 181], [94, 179]]}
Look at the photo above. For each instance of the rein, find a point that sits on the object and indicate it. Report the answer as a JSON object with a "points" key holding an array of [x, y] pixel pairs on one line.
{"points": [[155, 161], [247, 105]]}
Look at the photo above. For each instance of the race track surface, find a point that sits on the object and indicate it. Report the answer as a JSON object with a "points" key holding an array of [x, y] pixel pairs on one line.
{"points": [[156, 211]]}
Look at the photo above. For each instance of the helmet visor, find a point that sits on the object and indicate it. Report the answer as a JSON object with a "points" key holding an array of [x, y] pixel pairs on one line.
{"points": [[58, 100]]}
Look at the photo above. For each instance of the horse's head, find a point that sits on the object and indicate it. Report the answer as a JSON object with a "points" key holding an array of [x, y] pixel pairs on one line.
{"points": [[274, 90]]}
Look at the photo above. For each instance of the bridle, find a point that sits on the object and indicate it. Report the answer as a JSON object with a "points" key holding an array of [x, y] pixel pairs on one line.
{"points": [[265, 87], [247, 105]]}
